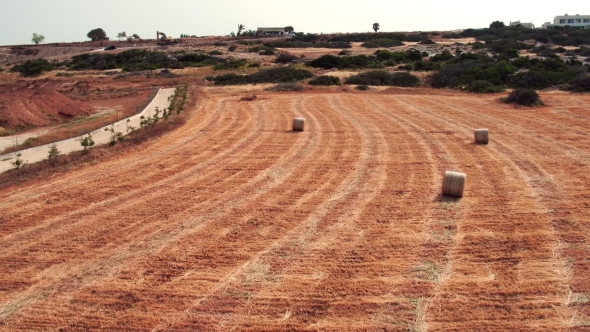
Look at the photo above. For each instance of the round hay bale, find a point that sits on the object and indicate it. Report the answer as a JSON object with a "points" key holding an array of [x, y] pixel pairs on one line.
{"points": [[298, 124], [481, 136], [453, 184]]}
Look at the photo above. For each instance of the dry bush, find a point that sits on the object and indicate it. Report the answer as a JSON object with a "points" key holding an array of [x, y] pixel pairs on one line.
{"points": [[248, 98]]}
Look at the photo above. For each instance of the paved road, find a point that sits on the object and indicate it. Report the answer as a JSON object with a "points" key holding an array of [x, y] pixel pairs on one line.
{"points": [[100, 136]]}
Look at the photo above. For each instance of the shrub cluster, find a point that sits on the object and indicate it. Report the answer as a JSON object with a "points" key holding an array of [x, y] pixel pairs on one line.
{"points": [[525, 97], [567, 36], [400, 57], [138, 60], [329, 61], [302, 44], [384, 78], [581, 84], [273, 75], [285, 87], [461, 74], [286, 58], [263, 50], [232, 64], [33, 67], [482, 86], [325, 80]]}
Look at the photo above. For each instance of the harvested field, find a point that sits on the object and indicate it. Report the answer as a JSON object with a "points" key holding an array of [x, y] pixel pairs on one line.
{"points": [[235, 222]]}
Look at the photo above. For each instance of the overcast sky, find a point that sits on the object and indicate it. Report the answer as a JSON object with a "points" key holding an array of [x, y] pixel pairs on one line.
{"points": [[70, 20]]}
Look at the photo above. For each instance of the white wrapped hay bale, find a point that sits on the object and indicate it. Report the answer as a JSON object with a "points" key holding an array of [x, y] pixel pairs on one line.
{"points": [[481, 136], [298, 124], [453, 184]]}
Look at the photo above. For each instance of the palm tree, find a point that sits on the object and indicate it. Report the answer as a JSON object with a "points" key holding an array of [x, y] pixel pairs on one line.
{"points": [[240, 28], [376, 27]]}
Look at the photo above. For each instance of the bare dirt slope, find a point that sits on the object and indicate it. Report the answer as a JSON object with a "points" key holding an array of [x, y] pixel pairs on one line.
{"points": [[37, 105], [235, 222]]}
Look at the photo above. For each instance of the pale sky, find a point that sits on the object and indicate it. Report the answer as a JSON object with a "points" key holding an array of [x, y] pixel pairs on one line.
{"points": [[71, 20]]}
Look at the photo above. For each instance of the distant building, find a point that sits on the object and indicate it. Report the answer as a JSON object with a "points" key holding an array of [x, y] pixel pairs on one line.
{"points": [[271, 31], [524, 25], [575, 21]]}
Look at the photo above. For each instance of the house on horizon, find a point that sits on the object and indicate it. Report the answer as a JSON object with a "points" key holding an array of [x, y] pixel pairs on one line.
{"points": [[271, 32], [574, 21], [524, 25]]}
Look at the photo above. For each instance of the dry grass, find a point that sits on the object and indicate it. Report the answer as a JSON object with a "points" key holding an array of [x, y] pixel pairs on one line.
{"points": [[5, 132], [427, 271], [8, 77]]}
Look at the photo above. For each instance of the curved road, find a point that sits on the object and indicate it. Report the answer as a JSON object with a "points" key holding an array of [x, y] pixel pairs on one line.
{"points": [[100, 136]]}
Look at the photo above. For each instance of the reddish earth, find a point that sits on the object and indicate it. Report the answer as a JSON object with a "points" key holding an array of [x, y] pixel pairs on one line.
{"points": [[51, 101], [235, 222], [35, 105]]}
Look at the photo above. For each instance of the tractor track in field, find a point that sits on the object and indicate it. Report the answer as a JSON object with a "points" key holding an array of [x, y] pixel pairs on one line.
{"points": [[235, 222]]}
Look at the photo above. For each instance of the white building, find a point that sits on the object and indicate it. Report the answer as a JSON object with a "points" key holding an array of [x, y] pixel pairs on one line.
{"points": [[271, 31], [524, 25], [578, 21]]}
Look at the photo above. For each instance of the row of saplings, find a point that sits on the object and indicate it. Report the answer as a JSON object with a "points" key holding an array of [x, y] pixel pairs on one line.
{"points": [[177, 101], [453, 182]]}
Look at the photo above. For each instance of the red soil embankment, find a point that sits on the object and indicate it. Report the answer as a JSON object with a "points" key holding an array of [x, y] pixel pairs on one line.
{"points": [[37, 106]]}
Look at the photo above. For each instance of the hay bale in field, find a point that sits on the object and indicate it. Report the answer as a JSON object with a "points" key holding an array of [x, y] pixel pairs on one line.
{"points": [[298, 124], [453, 184], [481, 136]]}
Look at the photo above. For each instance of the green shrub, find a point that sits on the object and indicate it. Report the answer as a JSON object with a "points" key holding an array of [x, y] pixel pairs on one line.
{"points": [[215, 52], [286, 58], [230, 79], [451, 35], [273, 75], [525, 97], [329, 61], [580, 85], [53, 154], [263, 50], [427, 42], [444, 56], [415, 38], [325, 80], [384, 78], [405, 67], [426, 66], [362, 87], [232, 48], [284, 87], [232, 64], [382, 43], [482, 86], [33, 67], [219, 44], [301, 44]]}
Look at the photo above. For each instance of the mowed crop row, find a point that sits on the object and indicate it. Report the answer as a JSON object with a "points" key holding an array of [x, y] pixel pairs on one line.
{"points": [[235, 221]]}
